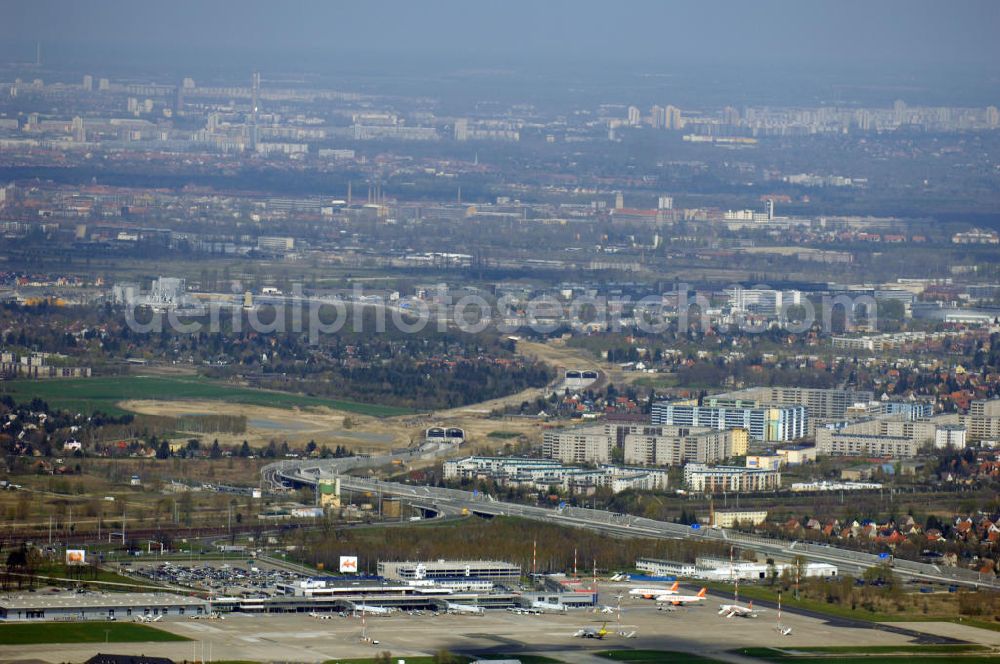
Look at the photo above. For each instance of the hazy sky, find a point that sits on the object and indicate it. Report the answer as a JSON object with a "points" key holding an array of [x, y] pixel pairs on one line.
{"points": [[801, 32]]}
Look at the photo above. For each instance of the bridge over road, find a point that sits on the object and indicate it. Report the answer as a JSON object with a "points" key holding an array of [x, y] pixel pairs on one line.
{"points": [[452, 501]]}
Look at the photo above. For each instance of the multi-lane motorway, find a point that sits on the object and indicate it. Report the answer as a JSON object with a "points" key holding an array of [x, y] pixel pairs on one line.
{"points": [[455, 501]]}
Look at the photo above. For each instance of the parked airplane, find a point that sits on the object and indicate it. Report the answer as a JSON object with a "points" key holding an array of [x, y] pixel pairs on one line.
{"points": [[730, 610], [619, 577], [681, 600], [591, 633], [466, 608], [650, 593], [320, 616], [148, 619]]}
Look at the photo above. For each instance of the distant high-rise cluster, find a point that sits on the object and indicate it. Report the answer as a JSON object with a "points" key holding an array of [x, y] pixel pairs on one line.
{"points": [[660, 117]]}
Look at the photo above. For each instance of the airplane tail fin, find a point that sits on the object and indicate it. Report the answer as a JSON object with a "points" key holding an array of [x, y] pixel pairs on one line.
{"points": [[751, 605], [677, 584], [702, 592]]}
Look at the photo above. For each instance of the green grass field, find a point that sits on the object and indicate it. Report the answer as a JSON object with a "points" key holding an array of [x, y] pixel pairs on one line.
{"points": [[918, 654], [922, 649], [82, 632], [654, 656], [764, 593], [524, 659], [60, 571], [89, 395]]}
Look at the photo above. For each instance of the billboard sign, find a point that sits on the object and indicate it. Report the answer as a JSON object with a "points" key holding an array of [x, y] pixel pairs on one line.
{"points": [[76, 557], [348, 564]]}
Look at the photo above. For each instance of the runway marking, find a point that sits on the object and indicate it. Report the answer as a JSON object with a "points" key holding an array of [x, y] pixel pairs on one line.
{"points": [[200, 628]]}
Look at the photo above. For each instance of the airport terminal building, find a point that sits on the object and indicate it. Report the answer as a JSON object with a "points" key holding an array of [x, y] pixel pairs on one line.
{"points": [[494, 570], [71, 606]]}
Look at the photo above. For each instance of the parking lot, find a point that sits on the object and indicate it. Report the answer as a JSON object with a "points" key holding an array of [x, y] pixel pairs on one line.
{"points": [[256, 579]]}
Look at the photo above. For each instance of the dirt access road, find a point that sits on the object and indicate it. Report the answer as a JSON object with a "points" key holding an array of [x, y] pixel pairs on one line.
{"points": [[369, 434]]}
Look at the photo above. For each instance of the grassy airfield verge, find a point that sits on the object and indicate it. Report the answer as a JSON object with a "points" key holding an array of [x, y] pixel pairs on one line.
{"points": [[82, 632], [90, 395]]}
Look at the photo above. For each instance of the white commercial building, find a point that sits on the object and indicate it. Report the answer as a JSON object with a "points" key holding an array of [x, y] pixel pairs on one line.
{"points": [[825, 485], [540, 474], [950, 436], [762, 301], [714, 569], [701, 478], [449, 569]]}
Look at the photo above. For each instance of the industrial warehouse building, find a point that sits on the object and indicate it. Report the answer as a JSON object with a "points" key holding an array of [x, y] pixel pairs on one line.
{"points": [[98, 606]]}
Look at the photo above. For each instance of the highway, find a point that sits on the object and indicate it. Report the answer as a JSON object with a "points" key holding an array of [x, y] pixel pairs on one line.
{"points": [[455, 501]]}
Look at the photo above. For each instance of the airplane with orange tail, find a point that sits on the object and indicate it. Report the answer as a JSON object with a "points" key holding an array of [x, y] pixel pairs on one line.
{"points": [[682, 600], [651, 593]]}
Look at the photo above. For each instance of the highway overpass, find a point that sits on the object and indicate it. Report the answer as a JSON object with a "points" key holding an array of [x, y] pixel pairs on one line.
{"points": [[452, 501]]}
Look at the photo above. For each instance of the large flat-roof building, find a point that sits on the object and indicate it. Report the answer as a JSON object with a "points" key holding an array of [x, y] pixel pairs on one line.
{"points": [[983, 420], [494, 570], [701, 478], [590, 444], [97, 606], [913, 410], [821, 403], [893, 436], [646, 444], [675, 446], [543, 473], [731, 518], [714, 569], [762, 301], [764, 423]]}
